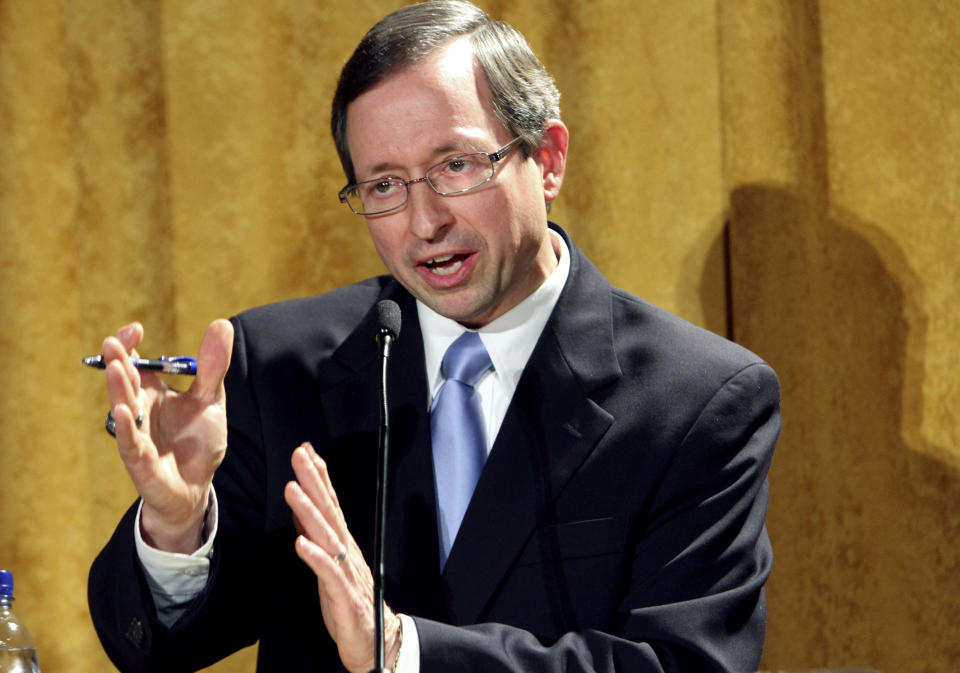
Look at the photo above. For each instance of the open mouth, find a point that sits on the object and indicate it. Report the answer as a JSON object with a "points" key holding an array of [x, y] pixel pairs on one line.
{"points": [[445, 265]]}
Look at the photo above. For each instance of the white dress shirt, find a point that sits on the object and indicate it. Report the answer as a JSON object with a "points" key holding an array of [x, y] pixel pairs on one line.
{"points": [[509, 340], [175, 579]]}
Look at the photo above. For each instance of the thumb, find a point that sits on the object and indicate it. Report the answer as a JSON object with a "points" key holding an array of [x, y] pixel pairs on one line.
{"points": [[213, 360]]}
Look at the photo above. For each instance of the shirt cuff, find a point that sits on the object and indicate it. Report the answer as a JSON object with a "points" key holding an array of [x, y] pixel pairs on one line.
{"points": [[176, 579], [409, 659]]}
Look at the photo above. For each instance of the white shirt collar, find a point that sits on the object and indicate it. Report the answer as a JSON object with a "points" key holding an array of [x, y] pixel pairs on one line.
{"points": [[510, 339]]}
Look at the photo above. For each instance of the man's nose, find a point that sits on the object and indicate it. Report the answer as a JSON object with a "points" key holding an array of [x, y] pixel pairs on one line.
{"points": [[428, 211]]}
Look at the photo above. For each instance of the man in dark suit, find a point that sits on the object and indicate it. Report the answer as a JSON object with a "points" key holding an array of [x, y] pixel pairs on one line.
{"points": [[617, 523]]}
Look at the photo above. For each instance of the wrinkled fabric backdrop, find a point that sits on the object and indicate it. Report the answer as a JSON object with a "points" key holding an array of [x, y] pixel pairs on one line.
{"points": [[784, 173]]}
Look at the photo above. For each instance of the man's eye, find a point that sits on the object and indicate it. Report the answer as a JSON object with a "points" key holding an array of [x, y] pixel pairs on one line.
{"points": [[381, 188], [461, 166]]}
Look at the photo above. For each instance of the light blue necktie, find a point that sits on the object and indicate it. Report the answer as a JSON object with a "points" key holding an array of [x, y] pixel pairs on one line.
{"points": [[458, 438]]}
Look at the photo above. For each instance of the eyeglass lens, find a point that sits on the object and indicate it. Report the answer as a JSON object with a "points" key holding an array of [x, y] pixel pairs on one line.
{"points": [[452, 176]]}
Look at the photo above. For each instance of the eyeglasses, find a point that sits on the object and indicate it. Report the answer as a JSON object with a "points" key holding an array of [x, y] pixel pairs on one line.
{"points": [[456, 175]]}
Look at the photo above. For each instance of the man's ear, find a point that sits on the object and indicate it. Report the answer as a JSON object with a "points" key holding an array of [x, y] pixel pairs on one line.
{"points": [[552, 157]]}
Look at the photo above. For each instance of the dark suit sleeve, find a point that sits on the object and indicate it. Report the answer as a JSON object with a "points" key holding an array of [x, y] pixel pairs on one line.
{"points": [[120, 600], [694, 598], [258, 588]]}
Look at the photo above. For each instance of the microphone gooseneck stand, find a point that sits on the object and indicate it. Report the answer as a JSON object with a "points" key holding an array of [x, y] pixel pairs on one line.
{"points": [[388, 317]]}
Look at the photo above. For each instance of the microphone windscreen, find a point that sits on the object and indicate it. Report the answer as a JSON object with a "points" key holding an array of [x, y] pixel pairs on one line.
{"points": [[388, 317]]}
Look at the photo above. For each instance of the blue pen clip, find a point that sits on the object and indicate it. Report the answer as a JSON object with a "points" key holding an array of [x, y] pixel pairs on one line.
{"points": [[180, 364]]}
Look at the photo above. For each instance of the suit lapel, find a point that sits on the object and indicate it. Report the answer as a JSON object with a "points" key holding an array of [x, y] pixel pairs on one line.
{"points": [[549, 430], [551, 427]]}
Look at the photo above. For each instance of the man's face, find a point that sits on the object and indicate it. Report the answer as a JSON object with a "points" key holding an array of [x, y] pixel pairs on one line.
{"points": [[473, 256]]}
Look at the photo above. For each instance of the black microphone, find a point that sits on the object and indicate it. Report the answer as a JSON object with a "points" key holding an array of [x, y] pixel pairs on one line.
{"points": [[388, 324], [388, 330]]}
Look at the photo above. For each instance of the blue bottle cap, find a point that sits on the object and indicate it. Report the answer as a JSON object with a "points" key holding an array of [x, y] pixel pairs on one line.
{"points": [[6, 583]]}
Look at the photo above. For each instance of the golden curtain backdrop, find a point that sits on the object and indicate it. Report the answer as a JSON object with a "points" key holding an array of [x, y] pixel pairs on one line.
{"points": [[785, 173]]}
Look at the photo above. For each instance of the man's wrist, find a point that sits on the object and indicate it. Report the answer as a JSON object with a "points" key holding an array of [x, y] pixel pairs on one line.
{"points": [[175, 579], [408, 655], [183, 539], [396, 657]]}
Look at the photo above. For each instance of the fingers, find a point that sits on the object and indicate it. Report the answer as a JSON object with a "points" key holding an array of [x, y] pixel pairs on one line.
{"points": [[123, 381], [315, 478], [344, 580], [310, 522], [123, 387], [314, 503], [130, 336], [213, 360], [321, 468], [117, 351], [128, 443], [321, 562]]}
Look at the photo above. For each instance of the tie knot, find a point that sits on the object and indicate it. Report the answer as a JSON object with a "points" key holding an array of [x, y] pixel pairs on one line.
{"points": [[466, 359]]}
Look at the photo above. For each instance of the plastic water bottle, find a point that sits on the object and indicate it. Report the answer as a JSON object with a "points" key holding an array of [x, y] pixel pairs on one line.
{"points": [[17, 653]]}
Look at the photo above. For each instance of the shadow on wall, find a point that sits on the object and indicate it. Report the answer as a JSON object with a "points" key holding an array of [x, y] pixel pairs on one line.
{"points": [[864, 517]]}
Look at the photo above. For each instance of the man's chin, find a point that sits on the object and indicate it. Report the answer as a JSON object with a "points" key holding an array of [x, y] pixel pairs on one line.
{"points": [[467, 313]]}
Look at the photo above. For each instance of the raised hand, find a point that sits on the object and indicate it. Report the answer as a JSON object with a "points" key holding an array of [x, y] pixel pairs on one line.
{"points": [[344, 581], [182, 439]]}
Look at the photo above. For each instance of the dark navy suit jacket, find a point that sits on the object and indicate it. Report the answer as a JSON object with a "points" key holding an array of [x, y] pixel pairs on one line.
{"points": [[618, 524]]}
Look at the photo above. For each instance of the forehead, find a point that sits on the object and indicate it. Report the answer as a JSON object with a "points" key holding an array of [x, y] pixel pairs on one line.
{"points": [[439, 103]]}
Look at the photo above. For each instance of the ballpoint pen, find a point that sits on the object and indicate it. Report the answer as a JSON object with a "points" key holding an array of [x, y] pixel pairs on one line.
{"points": [[181, 364]]}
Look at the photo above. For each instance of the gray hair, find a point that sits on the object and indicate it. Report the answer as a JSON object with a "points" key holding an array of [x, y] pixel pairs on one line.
{"points": [[523, 92]]}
